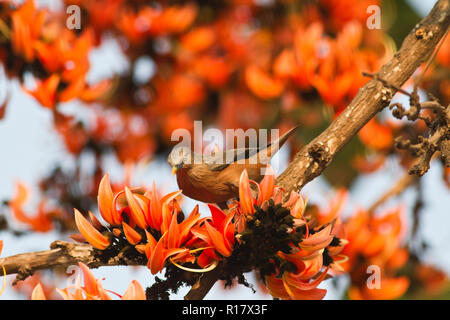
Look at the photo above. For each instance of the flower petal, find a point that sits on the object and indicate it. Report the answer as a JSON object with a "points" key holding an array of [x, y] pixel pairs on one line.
{"points": [[245, 194], [132, 235], [318, 240], [92, 235], [217, 240], [137, 212], [134, 292], [105, 202], [267, 186], [38, 293]]}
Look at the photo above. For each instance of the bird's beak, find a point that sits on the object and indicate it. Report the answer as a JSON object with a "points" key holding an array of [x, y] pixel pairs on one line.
{"points": [[174, 170]]}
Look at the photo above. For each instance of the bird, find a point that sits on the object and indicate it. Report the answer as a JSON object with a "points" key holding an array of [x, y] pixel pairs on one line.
{"points": [[215, 177]]}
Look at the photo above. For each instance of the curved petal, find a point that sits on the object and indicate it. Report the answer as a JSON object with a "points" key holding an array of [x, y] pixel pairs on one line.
{"points": [[105, 202], [92, 235], [134, 292], [245, 194], [38, 293], [136, 210], [217, 240], [292, 281], [188, 223], [90, 283], [173, 233], [217, 215], [132, 235], [267, 185], [94, 221], [155, 210], [317, 240]]}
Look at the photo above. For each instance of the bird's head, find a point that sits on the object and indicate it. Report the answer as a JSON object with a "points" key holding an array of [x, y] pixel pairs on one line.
{"points": [[179, 157]]}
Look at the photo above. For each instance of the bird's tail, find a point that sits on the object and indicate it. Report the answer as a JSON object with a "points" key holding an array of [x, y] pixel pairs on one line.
{"points": [[274, 146]]}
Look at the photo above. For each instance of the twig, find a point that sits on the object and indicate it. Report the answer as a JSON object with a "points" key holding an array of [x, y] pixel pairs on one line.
{"points": [[402, 184]]}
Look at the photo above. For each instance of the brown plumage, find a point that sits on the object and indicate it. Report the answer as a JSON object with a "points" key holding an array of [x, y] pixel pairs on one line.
{"points": [[216, 178]]}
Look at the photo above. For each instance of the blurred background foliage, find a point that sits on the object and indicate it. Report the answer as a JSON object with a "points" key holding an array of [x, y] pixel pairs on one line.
{"points": [[232, 64]]}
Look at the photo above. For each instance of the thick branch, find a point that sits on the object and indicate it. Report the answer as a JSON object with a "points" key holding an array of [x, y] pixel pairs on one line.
{"points": [[201, 288], [315, 157], [61, 255]]}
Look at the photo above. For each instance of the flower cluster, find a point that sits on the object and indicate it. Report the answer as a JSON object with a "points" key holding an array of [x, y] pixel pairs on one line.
{"points": [[42, 221], [376, 240], [91, 289], [291, 252], [294, 259], [39, 38]]}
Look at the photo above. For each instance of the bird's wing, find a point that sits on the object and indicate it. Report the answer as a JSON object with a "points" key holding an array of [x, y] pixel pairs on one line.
{"points": [[220, 160]]}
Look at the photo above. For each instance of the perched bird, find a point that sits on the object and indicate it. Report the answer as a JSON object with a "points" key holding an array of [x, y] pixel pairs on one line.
{"points": [[215, 178]]}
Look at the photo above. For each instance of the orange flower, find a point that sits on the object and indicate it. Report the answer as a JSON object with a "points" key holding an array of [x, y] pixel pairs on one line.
{"points": [[214, 70], [306, 43], [433, 279], [296, 205], [26, 28], [376, 135], [45, 92], [41, 221], [285, 65], [157, 252], [390, 288], [216, 234], [198, 39], [375, 240], [96, 91], [335, 207], [91, 290], [176, 19], [154, 216], [266, 186], [261, 84]]}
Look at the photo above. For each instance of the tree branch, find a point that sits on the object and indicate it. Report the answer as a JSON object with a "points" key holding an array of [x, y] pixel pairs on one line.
{"points": [[61, 255], [315, 157]]}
